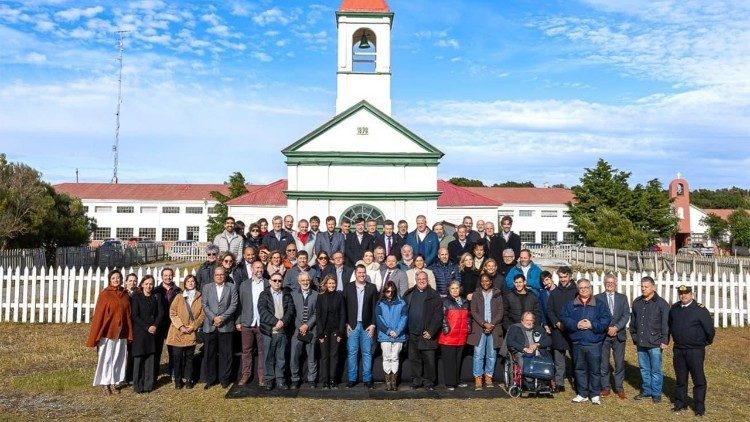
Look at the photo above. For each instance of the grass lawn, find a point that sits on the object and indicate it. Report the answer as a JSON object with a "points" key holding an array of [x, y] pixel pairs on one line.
{"points": [[47, 373]]}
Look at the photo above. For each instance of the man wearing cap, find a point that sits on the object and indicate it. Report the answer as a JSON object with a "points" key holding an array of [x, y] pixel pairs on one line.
{"points": [[691, 328]]}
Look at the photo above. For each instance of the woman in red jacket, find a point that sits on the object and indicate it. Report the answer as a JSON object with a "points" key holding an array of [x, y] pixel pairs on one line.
{"points": [[456, 326]]}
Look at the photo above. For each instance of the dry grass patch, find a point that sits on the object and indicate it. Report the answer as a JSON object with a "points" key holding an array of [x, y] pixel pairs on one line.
{"points": [[48, 374]]}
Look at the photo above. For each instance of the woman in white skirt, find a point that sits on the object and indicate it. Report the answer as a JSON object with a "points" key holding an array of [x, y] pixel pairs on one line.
{"points": [[111, 330]]}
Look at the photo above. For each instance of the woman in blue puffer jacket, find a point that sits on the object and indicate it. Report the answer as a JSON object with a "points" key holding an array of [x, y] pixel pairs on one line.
{"points": [[391, 316]]}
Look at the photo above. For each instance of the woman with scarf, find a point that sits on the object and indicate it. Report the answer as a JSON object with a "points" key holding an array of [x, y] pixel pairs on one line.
{"points": [[111, 330], [186, 314]]}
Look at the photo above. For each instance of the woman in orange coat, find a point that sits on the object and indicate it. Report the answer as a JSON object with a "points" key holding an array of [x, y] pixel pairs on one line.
{"points": [[111, 330]]}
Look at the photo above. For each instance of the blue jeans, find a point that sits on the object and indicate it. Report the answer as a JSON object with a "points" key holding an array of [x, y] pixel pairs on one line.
{"points": [[649, 360], [587, 360], [484, 356], [358, 341]]}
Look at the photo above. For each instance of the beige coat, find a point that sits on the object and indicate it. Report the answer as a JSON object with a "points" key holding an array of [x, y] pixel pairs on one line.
{"points": [[179, 315]]}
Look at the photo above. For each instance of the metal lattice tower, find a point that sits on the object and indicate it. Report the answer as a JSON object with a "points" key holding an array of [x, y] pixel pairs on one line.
{"points": [[116, 146]]}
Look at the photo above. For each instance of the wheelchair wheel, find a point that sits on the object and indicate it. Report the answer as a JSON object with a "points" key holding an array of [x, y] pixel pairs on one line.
{"points": [[514, 391], [507, 372]]}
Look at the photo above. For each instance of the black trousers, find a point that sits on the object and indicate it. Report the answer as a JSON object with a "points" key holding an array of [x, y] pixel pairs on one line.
{"points": [[183, 362], [329, 359], [451, 357], [422, 363], [160, 337], [143, 373], [690, 361], [218, 351]]}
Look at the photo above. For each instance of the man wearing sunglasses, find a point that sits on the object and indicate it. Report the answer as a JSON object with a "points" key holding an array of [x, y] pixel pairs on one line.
{"points": [[205, 273], [276, 311]]}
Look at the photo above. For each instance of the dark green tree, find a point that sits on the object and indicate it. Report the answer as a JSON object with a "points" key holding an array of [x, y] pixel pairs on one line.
{"points": [[718, 228], [732, 198], [462, 181], [512, 184], [237, 188], [739, 227], [606, 212]]}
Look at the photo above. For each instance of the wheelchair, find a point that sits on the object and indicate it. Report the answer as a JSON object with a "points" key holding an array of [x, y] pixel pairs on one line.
{"points": [[538, 379]]}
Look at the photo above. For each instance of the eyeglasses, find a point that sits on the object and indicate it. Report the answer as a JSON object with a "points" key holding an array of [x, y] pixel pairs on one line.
{"points": [[254, 231], [210, 254], [276, 280], [323, 258], [291, 250], [228, 260]]}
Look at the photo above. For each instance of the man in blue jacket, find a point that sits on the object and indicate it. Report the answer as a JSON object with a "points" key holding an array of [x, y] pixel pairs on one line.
{"points": [[530, 270], [424, 241], [586, 320]]}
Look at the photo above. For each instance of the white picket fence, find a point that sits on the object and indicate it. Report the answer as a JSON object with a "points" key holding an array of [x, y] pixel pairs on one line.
{"points": [[67, 295]]}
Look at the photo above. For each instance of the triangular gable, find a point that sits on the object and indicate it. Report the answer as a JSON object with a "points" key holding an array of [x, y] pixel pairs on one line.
{"points": [[362, 131]]}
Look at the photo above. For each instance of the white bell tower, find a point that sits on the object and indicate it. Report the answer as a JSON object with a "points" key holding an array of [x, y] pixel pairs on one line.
{"points": [[364, 54]]}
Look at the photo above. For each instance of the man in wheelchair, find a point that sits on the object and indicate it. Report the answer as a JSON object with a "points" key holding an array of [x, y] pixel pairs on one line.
{"points": [[529, 365]]}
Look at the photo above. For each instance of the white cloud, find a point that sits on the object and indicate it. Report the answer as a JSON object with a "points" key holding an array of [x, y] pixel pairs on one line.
{"points": [[262, 56], [81, 33], [71, 15], [36, 58], [448, 43], [211, 18], [274, 15]]}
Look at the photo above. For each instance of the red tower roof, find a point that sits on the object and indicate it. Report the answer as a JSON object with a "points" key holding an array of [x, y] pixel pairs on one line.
{"points": [[364, 6]]}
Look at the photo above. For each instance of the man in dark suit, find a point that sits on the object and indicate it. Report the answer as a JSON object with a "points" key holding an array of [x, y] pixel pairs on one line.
{"points": [[342, 271], [459, 246], [243, 270], [329, 241], [614, 342], [505, 239], [361, 298], [304, 297], [358, 242], [278, 238], [219, 305], [389, 241], [248, 324], [393, 273]]}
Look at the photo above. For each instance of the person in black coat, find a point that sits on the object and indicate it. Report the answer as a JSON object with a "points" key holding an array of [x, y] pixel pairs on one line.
{"points": [[469, 276], [166, 291], [505, 239], [518, 301], [425, 320], [565, 292], [253, 237], [518, 341], [331, 329], [146, 311], [354, 249], [275, 326]]}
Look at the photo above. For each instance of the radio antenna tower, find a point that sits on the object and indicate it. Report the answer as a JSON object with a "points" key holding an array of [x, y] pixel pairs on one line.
{"points": [[116, 146]]}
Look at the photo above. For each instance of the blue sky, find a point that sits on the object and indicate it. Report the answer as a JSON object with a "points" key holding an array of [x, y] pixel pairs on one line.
{"points": [[509, 90]]}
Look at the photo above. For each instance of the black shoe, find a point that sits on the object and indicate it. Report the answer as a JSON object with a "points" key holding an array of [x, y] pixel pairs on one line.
{"points": [[560, 389], [208, 385], [369, 385], [415, 387], [351, 384], [189, 385], [430, 388], [312, 385], [326, 385], [295, 385], [178, 385], [641, 396], [284, 386], [225, 385], [334, 386], [656, 399], [699, 414], [269, 386], [677, 408]]}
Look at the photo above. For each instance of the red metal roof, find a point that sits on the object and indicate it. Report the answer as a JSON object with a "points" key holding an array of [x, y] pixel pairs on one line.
{"points": [[722, 213], [456, 196], [144, 191], [272, 194], [364, 6], [526, 195]]}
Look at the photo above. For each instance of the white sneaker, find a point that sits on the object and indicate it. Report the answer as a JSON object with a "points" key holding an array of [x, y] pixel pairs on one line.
{"points": [[596, 400], [579, 399]]}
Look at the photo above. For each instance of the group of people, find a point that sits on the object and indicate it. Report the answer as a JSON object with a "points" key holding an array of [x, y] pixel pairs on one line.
{"points": [[421, 291]]}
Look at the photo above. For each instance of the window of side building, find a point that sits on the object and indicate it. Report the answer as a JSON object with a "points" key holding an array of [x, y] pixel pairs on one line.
{"points": [[169, 234], [525, 213], [170, 210], [529, 237], [193, 232], [102, 233], [125, 210], [193, 210], [147, 232], [549, 237], [124, 232]]}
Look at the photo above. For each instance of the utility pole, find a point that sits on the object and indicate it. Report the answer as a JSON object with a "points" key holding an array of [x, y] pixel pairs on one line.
{"points": [[116, 146]]}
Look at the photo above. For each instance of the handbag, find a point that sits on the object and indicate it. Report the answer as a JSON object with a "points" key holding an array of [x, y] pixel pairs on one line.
{"points": [[305, 338], [200, 336], [539, 367]]}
